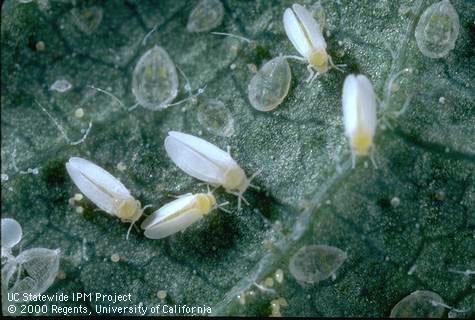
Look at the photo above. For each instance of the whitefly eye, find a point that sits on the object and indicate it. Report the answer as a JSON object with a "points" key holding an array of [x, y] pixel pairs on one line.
{"points": [[207, 15], [269, 87], [154, 80], [437, 30], [419, 304]]}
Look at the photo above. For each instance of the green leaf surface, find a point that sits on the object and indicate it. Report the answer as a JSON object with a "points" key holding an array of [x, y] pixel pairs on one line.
{"points": [[308, 192]]}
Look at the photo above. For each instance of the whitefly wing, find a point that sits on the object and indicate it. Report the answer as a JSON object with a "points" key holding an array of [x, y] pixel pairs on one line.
{"points": [[350, 101], [170, 226], [97, 184], [168, 211], [198, 158], [296, 33], [310, 25], [366, 104], [192, 162], [207, 149]]}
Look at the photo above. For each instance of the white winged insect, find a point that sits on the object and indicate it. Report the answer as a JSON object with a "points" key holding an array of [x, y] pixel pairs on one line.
{"points": [[306, 35], [105, 190], [206, 162], [179, 214], [359, 115]]}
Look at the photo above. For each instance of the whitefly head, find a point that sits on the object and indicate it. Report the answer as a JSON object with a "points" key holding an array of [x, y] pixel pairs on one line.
{"points": [[306, 36], [235, 179]]}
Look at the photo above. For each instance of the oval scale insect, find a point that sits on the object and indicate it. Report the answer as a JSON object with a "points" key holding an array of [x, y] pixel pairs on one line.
{"points": [[105, 190], [11, 236], [419, 304], [207, 15], [437, 30], [179, 214], [315, 263], [155, 80], [269, 87], [359, 114], [306, 36], [206, 162], [215, 118]]}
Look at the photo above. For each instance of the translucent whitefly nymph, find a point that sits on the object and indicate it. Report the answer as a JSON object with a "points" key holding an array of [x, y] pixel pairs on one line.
{"points": [[306, 36], [359, 114], [87, 19], [178, 215], [105, 190], [207, 15], [155, 80], [61, 86], [206, 162], [437, 29], [32, 271], [216, 118], [419, 304], [269, 87], [315, 263], [11, 236]]}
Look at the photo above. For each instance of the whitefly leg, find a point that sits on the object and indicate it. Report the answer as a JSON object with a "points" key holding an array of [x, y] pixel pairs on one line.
{"points": [[404, 106], [373, 158], [255, 174], [311, 74], [336, 66]]}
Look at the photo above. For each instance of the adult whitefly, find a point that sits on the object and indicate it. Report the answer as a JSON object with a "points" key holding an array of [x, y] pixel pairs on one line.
{"points": [[437, 29], [105, 190], [216, 118], [270, 85], [207, 15], [37, 270], [315, 263], [155, 80], [359, 114], [419, 304], [305, 33], [208, 163], [179, 214]]}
